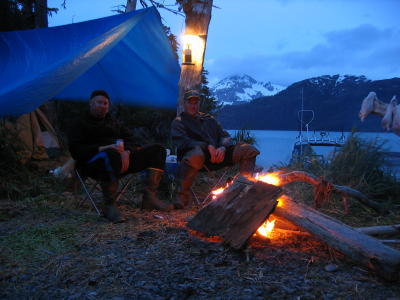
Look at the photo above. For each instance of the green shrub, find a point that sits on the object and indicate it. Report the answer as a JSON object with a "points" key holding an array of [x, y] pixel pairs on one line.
{"points": [[360, 164], [244, 136]]}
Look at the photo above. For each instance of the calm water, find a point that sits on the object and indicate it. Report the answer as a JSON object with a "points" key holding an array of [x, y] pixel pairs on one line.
{"points": [[276, 146]]}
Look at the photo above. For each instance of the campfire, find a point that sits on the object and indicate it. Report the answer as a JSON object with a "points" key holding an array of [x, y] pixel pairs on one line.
{"points": [[265, 230], [250, 206]]}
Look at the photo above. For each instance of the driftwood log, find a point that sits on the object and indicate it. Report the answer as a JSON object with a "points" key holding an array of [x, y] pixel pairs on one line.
{"points": [[238, 212], [380, 230], [321, 185], [360, 248]]}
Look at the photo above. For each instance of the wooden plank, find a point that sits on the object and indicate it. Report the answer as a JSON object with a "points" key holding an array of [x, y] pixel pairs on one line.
{"points": [[238, 212]]}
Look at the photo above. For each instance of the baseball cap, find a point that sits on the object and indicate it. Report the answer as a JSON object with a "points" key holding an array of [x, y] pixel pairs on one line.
{"points": [[191, 94]]}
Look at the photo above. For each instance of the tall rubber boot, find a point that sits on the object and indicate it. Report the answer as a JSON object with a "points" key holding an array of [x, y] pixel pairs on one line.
{"points": [[186, 176], [111, 211], [150, 198], [247, 166]]}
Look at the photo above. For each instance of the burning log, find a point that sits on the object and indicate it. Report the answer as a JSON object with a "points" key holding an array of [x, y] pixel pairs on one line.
{"points": [[320, 186], [238, 212], [360, 248]]}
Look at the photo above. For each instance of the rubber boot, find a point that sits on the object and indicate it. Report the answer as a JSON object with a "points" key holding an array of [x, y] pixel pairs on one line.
{"points": [[186, 176], [150, 198], [111, 211], [246, 167]]}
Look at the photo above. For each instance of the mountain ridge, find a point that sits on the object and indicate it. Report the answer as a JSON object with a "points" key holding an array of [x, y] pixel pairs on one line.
{"points": [[335, 100], [242, 88]]}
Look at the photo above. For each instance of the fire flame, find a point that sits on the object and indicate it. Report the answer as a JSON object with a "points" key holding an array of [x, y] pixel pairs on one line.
{"points": [[219, 191], [270, 178], [266, 228]]}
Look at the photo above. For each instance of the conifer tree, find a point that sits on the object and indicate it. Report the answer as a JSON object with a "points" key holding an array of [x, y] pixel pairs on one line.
{"points": [[209, 103]]}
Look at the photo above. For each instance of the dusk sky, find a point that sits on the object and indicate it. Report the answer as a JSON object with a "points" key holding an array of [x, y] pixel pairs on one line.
{"points": [[283, 41]]}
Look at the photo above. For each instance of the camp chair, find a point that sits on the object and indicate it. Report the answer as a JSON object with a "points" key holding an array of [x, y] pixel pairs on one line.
{"points": [[91, 186]]}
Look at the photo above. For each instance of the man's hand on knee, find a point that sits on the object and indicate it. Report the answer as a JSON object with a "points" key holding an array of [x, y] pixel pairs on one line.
{"points": [[212, 151], [220, 155], [216, 155]]}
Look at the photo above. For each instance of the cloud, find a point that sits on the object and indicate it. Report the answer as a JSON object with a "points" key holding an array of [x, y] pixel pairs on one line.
{"points": [[364, 50]]}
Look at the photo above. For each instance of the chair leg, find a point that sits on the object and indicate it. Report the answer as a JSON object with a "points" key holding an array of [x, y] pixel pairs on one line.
{"points": [[214, 186], [195, 196], [124, 187], [88, 193]]}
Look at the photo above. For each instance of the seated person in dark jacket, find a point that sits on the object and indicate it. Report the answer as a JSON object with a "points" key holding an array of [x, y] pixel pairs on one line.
{"points": [[105, 150], [201, 141]]}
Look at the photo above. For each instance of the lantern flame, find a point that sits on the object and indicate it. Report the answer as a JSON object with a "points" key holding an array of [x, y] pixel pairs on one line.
{"points": [[196, 44], [266, 228]]}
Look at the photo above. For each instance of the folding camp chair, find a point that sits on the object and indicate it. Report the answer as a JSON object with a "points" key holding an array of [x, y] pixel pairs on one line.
{"points": [[91, 186]]}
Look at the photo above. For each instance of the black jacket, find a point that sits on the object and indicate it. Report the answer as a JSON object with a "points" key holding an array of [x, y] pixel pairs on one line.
{"points": [[201, 130], [89, 133]]}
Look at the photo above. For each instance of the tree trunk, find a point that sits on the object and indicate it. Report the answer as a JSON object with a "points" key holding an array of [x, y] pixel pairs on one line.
{"points": [[41, 19], [238, 212], [27, 12], [130, 5], [360, 248], [198, 16]]}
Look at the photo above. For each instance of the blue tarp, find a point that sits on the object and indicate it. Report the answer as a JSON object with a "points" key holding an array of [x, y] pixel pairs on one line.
{"points": [[128, 55]]}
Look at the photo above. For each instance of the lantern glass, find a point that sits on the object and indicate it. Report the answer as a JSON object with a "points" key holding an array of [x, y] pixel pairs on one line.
{"points": [[193, 49]]}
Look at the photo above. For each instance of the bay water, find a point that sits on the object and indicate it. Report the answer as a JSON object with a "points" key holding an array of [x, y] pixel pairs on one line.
{"points": [[276, 146]]}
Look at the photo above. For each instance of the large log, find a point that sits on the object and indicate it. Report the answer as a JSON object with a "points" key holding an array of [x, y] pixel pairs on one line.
{"points": [[360, 248], [381, 230], [238, 212]]}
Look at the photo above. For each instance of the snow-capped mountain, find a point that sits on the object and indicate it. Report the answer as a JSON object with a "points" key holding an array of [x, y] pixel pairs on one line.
{"points": [[335, 100], [238, 89]]}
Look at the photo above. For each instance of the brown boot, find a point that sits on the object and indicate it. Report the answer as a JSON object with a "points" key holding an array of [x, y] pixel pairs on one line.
{"points": [[186, 176], [111, 211], [150, 198]]}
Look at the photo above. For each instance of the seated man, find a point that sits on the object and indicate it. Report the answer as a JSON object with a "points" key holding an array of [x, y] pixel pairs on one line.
{"points": [[105, 150], [201, 141]]}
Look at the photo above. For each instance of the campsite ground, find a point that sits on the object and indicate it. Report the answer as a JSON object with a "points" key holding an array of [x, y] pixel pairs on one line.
{"points": [[50, 249]]}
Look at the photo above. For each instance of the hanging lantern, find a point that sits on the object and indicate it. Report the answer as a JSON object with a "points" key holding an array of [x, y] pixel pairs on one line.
{"points": [[187, 56], [193, 49]]}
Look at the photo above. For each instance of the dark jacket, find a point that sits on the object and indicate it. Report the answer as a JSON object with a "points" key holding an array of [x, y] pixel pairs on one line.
{"points": [[89, 133], [201, 130]]}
